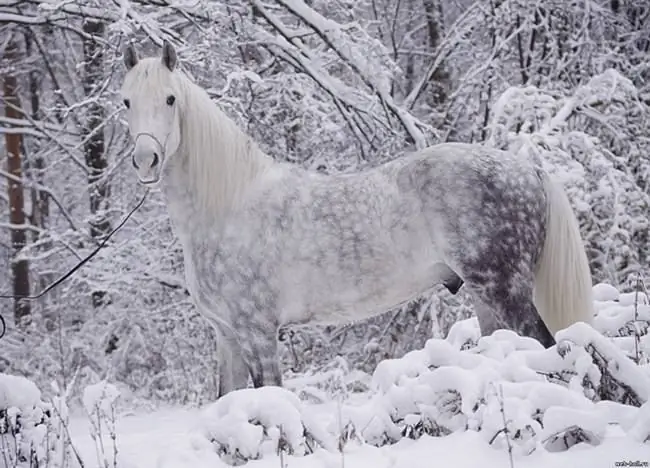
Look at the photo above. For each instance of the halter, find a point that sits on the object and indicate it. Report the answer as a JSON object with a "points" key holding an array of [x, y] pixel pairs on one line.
{"points": [[163, 147], [154, 138]]}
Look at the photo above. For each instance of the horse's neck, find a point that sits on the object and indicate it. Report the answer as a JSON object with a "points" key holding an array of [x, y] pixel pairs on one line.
{"points": [[200, 196], [191, 218]]}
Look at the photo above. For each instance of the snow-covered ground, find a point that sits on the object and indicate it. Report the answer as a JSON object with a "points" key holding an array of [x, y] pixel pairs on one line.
{"points": [[460, 401], [170, 438]]}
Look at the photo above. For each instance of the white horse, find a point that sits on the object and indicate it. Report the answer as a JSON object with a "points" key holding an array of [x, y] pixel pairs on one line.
{"points": [[268, 244]]}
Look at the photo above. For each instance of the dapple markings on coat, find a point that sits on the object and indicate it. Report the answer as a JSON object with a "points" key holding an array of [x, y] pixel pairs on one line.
{"points": [[268, 244]]}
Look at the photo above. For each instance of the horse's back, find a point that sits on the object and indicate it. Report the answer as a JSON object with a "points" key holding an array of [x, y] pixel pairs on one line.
{"points": [[457, 166]]}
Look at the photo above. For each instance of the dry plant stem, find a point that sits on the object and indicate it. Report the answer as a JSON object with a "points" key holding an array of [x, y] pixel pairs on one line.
{"points": [[95, 434], [505, 426], [64, 424], [4, 450], [113, 433], [281, 450], [340, 418], [637, 337]]}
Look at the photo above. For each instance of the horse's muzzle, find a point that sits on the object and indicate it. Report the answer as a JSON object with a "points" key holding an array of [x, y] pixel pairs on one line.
{"points": [[147, 160]]}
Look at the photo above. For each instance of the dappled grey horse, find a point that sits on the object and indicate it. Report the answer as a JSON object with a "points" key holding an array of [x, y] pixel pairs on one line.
{"points": [[268, 244]]}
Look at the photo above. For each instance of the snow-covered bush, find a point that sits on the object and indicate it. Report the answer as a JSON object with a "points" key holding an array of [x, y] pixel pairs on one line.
{"points": [[32, 432], [99, 401], [589, 140], [245, 424]]}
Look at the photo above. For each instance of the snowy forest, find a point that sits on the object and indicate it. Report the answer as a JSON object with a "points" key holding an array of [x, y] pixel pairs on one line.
{"points": [[334, 86]]}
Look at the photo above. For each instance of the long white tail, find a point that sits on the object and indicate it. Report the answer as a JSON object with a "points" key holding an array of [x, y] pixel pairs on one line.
{"points": [[563, 287]]}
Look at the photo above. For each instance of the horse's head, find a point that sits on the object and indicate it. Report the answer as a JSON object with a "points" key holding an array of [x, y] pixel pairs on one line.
{"points": [[150, 94]]}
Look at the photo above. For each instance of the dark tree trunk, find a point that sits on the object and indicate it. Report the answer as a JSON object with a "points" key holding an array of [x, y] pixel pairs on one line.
{"points": [[13, 145], [94, 148], [435, 26], [40, 202]]}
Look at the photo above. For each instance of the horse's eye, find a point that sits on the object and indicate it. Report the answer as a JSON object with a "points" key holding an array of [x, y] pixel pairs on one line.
{"points": [[127, 103], [170, 100]]}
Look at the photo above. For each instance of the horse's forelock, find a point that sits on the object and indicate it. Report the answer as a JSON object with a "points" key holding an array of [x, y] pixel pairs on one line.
{"points": [[149, 75]]}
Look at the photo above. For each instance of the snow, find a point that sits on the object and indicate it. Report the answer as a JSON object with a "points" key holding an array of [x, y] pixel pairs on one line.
{"points": [[16, 391], [240, 423], [465, 401], [100, 397], [168, 438], [640, 431], [605, 292], [620, 367], [24, 423]]}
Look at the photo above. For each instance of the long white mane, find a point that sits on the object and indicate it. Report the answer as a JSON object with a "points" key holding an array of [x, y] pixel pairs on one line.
{"points": [[220, 159]]}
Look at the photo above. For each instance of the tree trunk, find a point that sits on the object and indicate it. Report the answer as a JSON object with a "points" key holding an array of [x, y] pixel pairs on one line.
{"points": [[435, 25], [94, 148], [40, 203], [13, 144]]}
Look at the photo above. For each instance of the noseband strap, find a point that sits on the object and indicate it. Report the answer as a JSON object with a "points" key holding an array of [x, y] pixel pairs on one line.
{"points": [[154, 138]]}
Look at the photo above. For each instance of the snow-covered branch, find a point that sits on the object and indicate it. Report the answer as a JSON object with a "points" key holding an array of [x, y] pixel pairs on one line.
{"points": [[333, 35]]}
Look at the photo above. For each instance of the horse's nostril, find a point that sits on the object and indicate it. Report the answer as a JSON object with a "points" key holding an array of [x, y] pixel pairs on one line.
{"points": [[155, 161]]}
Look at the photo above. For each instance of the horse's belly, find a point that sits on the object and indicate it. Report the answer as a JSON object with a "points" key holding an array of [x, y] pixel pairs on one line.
{"points": [[343, 301]]}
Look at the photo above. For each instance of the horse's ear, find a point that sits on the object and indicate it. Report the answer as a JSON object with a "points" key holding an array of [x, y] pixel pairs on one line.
{"points": [[130, 57], [169, 57]]}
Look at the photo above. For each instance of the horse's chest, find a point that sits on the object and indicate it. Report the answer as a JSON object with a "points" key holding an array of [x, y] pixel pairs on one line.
{"points": [[203, 272]]}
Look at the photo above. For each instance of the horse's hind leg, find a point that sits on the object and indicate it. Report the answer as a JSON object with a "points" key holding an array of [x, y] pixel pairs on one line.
{"points": [[510, 308]]}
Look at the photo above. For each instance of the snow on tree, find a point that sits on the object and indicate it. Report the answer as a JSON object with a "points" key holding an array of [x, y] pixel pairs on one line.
{"points": [[566, 135]]}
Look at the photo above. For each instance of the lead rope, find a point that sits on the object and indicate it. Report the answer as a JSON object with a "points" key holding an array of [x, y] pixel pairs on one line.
{"points": [[67, 275]]}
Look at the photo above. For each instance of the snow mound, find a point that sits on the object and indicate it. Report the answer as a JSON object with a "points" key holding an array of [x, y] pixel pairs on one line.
{"points": [[31, 432], [18, 392], [245, 424], [100, 398], [504, 389]]}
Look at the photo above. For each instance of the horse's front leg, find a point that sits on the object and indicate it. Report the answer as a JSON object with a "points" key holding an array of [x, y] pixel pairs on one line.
{"points": [[257, 337], [233, 370], [255, 326]]}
